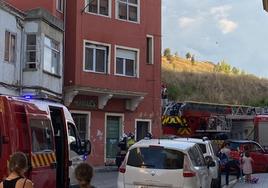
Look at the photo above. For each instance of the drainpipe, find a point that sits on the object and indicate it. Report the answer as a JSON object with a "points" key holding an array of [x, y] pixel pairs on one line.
{"points": [[22, 53], [63, 49]]}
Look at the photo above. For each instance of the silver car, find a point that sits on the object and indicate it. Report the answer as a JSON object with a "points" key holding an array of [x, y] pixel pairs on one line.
{"points": [[162, 163]]}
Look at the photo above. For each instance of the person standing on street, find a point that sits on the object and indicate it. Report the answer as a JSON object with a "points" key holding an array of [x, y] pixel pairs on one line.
{"points": [[17, 166], [83, 173], [230, 163], [247, 166]]}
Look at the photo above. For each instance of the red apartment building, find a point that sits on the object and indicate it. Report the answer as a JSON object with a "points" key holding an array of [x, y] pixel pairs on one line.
{"points": [[112, 68], [113, 71]]}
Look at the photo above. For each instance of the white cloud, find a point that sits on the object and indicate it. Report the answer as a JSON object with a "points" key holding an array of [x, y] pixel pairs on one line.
{"points": [[185, 22], [227, 26], [221, 12]]}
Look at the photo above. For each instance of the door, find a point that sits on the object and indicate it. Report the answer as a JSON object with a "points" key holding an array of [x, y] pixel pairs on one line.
{"points": [[113, 130], [61, 146], [142, 128], [43, 159], [259, 158], [202, 171]]}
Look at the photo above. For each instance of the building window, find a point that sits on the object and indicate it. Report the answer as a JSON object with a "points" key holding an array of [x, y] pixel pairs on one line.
{"points": [[126, 62], [81, 122], [10, 47], [31, 51], [59, 5], [149, 49], [100, 7], [51, 56], [96, 58], [128, 10]]}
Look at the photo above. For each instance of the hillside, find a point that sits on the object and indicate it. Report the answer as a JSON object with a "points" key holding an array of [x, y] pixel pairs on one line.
{"points": [[200, 82]]}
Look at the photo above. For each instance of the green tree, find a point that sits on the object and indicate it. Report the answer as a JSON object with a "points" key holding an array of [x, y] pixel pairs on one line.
{"points": [[188, 55], [235, 71], [192, 60], [176, 54], [167, 53]]}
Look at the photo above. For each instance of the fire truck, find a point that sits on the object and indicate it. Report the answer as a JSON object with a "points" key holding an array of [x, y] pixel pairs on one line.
{"points": [[252, 128], [190, 119], [216, 121], [41, 129]]}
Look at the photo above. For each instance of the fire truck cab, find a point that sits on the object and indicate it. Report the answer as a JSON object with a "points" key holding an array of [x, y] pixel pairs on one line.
{"points": [[46, 133]]}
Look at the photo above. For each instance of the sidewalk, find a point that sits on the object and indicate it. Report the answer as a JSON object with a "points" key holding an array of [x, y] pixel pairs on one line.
{"points": [[105, 169], [262, 183]]}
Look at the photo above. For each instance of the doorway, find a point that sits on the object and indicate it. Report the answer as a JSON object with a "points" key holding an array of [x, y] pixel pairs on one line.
{"points": [[142, 127], [113, 132]]}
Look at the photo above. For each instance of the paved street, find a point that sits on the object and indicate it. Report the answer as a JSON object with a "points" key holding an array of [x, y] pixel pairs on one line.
{"points": [[262, 183], [103, 179]]}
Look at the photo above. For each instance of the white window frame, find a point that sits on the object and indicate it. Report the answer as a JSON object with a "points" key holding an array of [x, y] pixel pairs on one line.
{"points": [[109, 9], [122, 116], [137, 67], [145, 120], [94, 64], [88, 126], [61, 3], [127, 20], [55, 50], [27, 63], [151, 60], [9, 60]]}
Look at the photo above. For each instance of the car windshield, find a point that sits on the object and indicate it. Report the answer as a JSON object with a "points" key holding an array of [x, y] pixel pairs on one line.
{"points": [[155, 157]]}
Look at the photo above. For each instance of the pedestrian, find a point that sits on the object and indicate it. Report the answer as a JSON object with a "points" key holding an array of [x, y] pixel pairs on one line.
{"points": [[229, 162], [83, 173], [18, 165], [247, 166]]}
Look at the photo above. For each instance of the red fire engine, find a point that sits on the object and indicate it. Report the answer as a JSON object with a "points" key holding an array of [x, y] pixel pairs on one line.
{"points": [[39, 128], [193, 119]]}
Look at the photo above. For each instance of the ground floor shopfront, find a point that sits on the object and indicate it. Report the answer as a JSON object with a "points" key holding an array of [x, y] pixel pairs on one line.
{"points": [[105, 126]]}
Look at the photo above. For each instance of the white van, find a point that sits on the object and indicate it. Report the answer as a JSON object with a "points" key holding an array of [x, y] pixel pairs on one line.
{"points": [[162, 163]]}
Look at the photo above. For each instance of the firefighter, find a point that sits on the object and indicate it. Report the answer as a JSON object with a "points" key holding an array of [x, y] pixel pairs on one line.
{"points": [[122, 150], [148, 136], [131, 140]]}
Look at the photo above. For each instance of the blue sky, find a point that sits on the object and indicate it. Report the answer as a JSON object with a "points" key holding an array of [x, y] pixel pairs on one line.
{"points": [[214, 30]]}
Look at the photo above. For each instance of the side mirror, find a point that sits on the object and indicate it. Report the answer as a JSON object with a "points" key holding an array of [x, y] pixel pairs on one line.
{"points": [[81, 148], [209, 161], [86, 147]]}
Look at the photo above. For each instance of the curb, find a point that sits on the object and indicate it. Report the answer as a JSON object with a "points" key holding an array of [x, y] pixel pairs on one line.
{"points": [[99, 169]]}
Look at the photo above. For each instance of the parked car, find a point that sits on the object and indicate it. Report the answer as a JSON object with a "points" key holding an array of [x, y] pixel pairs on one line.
{"points": [[257, 153], [159, 163], [208, 150]]}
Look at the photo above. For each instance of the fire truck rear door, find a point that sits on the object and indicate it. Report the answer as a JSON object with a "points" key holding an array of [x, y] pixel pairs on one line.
{"points": [[43, 158]]}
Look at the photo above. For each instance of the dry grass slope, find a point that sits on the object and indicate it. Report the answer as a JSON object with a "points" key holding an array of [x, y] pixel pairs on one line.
{"points": [[199, 82]]}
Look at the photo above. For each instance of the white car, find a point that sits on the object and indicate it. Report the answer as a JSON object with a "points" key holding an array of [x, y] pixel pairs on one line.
{"points": [[162, 163], [208, 150]]}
